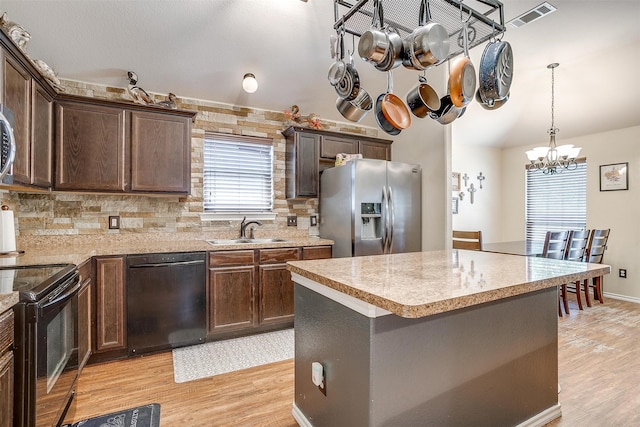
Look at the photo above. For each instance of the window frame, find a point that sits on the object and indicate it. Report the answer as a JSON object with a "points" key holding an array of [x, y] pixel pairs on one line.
{"points": [[226, 215]]}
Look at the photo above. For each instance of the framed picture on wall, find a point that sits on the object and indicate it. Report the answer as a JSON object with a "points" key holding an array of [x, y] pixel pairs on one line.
{"points": [[454, 205], [455, 181], [614, 177]]}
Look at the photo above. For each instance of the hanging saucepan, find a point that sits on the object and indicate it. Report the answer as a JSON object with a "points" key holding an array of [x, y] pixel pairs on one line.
{"points": [[462, 75], [423, 99], [392, 114], [447, 112], [338, 69], [428, 44], [496, 71], [374, 43], [356, 109], [393, 58], [349, 86]]}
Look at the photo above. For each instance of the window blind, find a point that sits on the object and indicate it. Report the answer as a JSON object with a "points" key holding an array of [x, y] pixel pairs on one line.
{"points": [[238, 174], [556, 202]]}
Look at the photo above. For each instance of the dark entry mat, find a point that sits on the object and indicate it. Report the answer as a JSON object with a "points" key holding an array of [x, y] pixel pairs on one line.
{"points": [[141, 416]]}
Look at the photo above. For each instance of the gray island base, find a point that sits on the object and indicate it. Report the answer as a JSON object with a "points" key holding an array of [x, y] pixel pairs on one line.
{"points": [[482, 355]]}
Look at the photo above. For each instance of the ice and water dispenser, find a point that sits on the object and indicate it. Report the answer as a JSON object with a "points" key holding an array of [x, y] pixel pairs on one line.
{"points": [[371, 216]]}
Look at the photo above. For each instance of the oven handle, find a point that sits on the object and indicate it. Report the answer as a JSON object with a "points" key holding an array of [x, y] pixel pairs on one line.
{"points": [[67, 295]]}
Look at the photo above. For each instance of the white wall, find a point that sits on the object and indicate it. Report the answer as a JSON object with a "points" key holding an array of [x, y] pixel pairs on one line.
{"points": [[484, 214], [617, 210]]}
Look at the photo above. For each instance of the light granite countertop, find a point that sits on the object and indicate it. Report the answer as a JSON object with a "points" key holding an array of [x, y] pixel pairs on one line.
{"points": [[76, 249], [420, 284]]}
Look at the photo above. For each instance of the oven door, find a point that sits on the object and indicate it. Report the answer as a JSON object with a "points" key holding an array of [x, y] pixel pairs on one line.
{"points": [[56, 352]]}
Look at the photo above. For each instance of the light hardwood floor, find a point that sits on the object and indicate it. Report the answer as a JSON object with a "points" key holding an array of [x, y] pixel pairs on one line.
{"points": [[599, 370]]}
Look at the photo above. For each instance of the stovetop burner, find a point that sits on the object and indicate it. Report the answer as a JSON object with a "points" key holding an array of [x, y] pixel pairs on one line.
{"points": [[33, 282]]}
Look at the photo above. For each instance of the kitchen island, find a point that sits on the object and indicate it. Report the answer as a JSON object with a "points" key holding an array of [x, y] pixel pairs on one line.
{"points": [[431, 338]]}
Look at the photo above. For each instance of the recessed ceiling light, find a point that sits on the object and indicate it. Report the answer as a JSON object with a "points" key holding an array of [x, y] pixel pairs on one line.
{"points": [[532, 15]]}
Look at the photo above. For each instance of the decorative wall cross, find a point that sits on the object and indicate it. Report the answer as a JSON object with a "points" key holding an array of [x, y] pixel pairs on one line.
{"points": [[472, 190], [465, 177], [480, 179]]}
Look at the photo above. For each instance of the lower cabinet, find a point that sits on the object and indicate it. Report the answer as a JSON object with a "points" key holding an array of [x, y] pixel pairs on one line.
{"points": [[110, 322], [6, 369], [231, 291], [276, 286]]}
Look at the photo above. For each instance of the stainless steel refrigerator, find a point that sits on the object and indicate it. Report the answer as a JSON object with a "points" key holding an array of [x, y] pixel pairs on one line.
{"points": [[371, 207]]}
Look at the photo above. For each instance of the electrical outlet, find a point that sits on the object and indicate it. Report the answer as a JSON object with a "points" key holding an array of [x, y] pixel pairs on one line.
{"points": [[622, 272], [114, 222], [313, 220], [292, 221]]}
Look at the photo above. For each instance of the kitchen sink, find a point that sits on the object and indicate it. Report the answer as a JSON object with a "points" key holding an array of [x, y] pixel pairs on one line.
{"points": [[243, 241]]}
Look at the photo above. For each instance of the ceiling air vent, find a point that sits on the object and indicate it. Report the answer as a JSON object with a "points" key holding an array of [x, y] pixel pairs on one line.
{"points": [[532, 15]]}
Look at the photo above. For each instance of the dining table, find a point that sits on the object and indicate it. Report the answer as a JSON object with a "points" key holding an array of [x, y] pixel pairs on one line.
{"points": [[518, 247]]}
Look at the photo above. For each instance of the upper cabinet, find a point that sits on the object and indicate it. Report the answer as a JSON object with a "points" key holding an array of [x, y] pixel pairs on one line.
{"points": [[310, 151], [97, 145], [110, 146], [31, 103]]}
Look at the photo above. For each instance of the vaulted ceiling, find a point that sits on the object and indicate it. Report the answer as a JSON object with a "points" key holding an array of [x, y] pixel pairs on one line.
{"points": [[201, 49]]}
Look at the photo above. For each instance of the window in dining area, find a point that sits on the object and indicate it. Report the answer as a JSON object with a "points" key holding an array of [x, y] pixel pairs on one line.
{"points": [[556, 202]]}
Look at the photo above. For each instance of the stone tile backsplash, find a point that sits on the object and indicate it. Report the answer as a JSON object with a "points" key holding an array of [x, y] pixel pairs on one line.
{"points": [[46, 214]]}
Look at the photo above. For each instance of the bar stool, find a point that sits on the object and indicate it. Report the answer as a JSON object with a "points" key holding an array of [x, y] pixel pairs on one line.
{"points": [[555, 247], [594, 254], [576, 250]]}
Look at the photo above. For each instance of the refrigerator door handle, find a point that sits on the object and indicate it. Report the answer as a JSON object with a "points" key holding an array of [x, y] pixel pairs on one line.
{"points": [[391, 219], [385, 206]]}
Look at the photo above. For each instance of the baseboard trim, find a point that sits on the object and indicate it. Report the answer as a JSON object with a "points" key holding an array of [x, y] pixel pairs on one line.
{"points": [[299, 416], [621, 297], [543, 417]]}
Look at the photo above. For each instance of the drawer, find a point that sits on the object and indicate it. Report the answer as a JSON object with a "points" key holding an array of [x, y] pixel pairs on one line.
{"points": [[316, 252], [6, 331], [272, 256], [224, 258]]}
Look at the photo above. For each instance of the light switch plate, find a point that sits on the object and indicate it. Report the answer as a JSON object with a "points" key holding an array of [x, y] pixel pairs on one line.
{"points": [[114, 222], [292, 221], [313, 220]]}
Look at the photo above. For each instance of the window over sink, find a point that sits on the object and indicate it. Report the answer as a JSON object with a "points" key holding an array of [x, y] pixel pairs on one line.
{"points": [[238, 177]]}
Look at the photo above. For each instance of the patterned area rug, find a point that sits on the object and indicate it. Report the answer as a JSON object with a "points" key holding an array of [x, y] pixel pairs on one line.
{"points": [[219, 357], [142, 416]]}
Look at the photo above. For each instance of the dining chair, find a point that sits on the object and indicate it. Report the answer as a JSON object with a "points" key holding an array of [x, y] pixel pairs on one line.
{"points": [[594, 254], [555, 247], [467, 240], [576, 250]]}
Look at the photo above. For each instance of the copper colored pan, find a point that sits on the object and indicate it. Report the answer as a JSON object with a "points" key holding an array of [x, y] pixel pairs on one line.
{"points": [[462, 76], [393, 109]]}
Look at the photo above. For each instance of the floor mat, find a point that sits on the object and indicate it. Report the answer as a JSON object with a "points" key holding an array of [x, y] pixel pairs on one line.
{"points": [[141, 416], [219, 357]]}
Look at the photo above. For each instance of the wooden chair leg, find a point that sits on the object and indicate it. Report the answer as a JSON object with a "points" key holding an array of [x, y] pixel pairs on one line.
{"points": [[585, 284], [578, 297], [597, 281]]}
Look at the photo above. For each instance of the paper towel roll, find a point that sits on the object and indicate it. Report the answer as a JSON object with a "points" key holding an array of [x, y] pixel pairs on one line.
{"points": [[7, 231]]}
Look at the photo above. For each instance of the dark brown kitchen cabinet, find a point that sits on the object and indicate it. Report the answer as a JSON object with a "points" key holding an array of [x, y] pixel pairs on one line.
{"points": [[91, 144], [310, 151], [6, 369], [316, 252], [160, 152], [85, 313], [110, 321], [231, 291], [32, 108], [275, 285], [302, 169]]}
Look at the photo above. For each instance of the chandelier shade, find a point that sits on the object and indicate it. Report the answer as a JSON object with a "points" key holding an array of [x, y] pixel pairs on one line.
{"points": [[553, 159]]}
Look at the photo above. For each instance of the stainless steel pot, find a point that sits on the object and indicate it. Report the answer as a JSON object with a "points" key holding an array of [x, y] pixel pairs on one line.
{"points": [[374, 43], [423, 99], [393, 57], [447, 112], [357, 108], [429, 42]]}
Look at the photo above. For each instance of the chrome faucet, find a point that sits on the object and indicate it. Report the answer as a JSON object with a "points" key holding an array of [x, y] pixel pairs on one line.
{"points": [[243, 227]]}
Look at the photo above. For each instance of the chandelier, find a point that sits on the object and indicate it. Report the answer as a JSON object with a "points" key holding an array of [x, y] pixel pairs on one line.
{"points": [[553, 159]]}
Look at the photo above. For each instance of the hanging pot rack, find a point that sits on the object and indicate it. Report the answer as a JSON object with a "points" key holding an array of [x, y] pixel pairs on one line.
{"points": [[486, 18]]}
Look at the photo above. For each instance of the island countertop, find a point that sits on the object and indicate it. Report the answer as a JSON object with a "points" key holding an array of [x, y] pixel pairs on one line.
{"points": [[421, 284]]}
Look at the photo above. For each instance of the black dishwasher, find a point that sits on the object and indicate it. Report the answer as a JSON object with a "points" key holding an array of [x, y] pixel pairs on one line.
{"points": [[166, 301]]}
